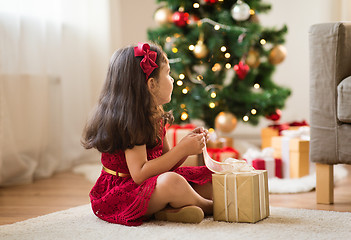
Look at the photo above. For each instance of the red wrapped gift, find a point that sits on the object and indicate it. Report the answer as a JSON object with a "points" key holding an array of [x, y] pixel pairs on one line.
{"points": [[221, 154], [271, 166]]}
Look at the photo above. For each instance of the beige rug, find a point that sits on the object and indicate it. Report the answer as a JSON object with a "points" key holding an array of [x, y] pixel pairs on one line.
{"points": [[284, 223]]}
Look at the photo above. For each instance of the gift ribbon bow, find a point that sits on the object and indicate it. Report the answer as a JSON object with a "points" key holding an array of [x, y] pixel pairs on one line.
{"points": [[148, 63]]}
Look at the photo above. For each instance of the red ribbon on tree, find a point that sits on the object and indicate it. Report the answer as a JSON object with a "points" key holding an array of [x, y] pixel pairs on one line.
{"points": [[148, 63]]}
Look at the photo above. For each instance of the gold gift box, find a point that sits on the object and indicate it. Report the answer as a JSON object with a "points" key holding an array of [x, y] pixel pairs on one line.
{"points": [[240, 197], [266, 136], [268, 133], [298, 155], [220, 142]]}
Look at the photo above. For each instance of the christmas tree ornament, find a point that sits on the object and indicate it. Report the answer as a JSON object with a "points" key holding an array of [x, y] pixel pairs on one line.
{"points": [[275, 116], [240, 11], [200, 50], [211, 1], [253, 58], [241, 69], [277, 54], [163, 15], [180, 18], [225, 122]]}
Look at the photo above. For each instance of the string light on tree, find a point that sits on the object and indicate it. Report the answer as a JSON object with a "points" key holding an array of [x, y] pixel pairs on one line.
{"points": [[253, 111], [213, 94], [199, 77], [196, 5], [184, 116], [246, 118], [185, 90], [212, 105], [216, 67], [180, 83], [228, 65], [181, 76], [223, 48]]}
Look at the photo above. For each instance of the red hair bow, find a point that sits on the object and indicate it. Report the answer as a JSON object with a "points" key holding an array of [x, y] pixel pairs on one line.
{"points": [[148, 62]]}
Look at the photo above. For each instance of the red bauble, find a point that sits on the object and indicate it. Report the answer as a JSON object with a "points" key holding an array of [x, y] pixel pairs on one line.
{"points": [[275, 116], [180, 18], [211, 1], [241, 69]]}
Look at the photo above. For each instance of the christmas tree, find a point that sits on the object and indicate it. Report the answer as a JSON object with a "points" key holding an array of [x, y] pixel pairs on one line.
{"points": [[222, 59]]}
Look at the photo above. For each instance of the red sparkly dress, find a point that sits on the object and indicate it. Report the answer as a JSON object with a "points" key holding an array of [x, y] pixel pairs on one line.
{"points": [[120, 200]]}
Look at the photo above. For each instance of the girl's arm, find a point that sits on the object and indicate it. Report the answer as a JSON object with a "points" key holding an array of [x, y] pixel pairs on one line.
{"points": [[166, 145], [166, 148], [141, 169]]}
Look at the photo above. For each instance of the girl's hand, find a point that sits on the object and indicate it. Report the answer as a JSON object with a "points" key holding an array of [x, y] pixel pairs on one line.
{"points": [[193, 143], [203, 131]]}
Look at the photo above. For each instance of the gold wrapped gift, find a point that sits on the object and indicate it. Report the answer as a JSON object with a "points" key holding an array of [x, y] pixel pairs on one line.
{"points": [[240, 197]]}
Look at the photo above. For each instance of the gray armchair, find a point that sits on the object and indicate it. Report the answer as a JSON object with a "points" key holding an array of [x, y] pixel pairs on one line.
{"points": [[330, 102]]}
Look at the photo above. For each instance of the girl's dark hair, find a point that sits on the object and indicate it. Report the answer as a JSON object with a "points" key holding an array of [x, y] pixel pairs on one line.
{"points": [[127, 113]]}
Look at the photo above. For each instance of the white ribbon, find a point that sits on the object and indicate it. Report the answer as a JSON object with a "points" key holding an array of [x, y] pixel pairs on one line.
{"points": [[230, 165], [303, 133]]}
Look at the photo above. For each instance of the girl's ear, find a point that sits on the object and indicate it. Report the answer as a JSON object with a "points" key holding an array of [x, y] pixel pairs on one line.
{"points": [[151, 84]]}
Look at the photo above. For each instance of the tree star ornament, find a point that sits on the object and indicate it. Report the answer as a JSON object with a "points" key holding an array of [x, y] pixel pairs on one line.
{"points": [[241, 69]]}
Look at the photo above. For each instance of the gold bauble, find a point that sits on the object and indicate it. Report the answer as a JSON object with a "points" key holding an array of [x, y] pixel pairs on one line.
{"points": [[225, 122], [200, 50], [163, 15], [253, 59], [277, 54]]}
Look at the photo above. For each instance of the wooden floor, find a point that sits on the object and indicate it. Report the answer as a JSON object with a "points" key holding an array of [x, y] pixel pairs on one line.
{"points": [[66, 190]]}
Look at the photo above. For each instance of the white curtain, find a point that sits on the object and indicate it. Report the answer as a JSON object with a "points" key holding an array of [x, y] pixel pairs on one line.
{"points": [[53, 59]]}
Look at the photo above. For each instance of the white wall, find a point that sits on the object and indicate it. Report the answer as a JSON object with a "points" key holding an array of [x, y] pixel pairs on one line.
{"points": [[299, 15]]}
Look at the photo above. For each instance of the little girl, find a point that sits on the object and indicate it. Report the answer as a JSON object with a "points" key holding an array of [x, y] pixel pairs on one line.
{"points": [[140, 175]]}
